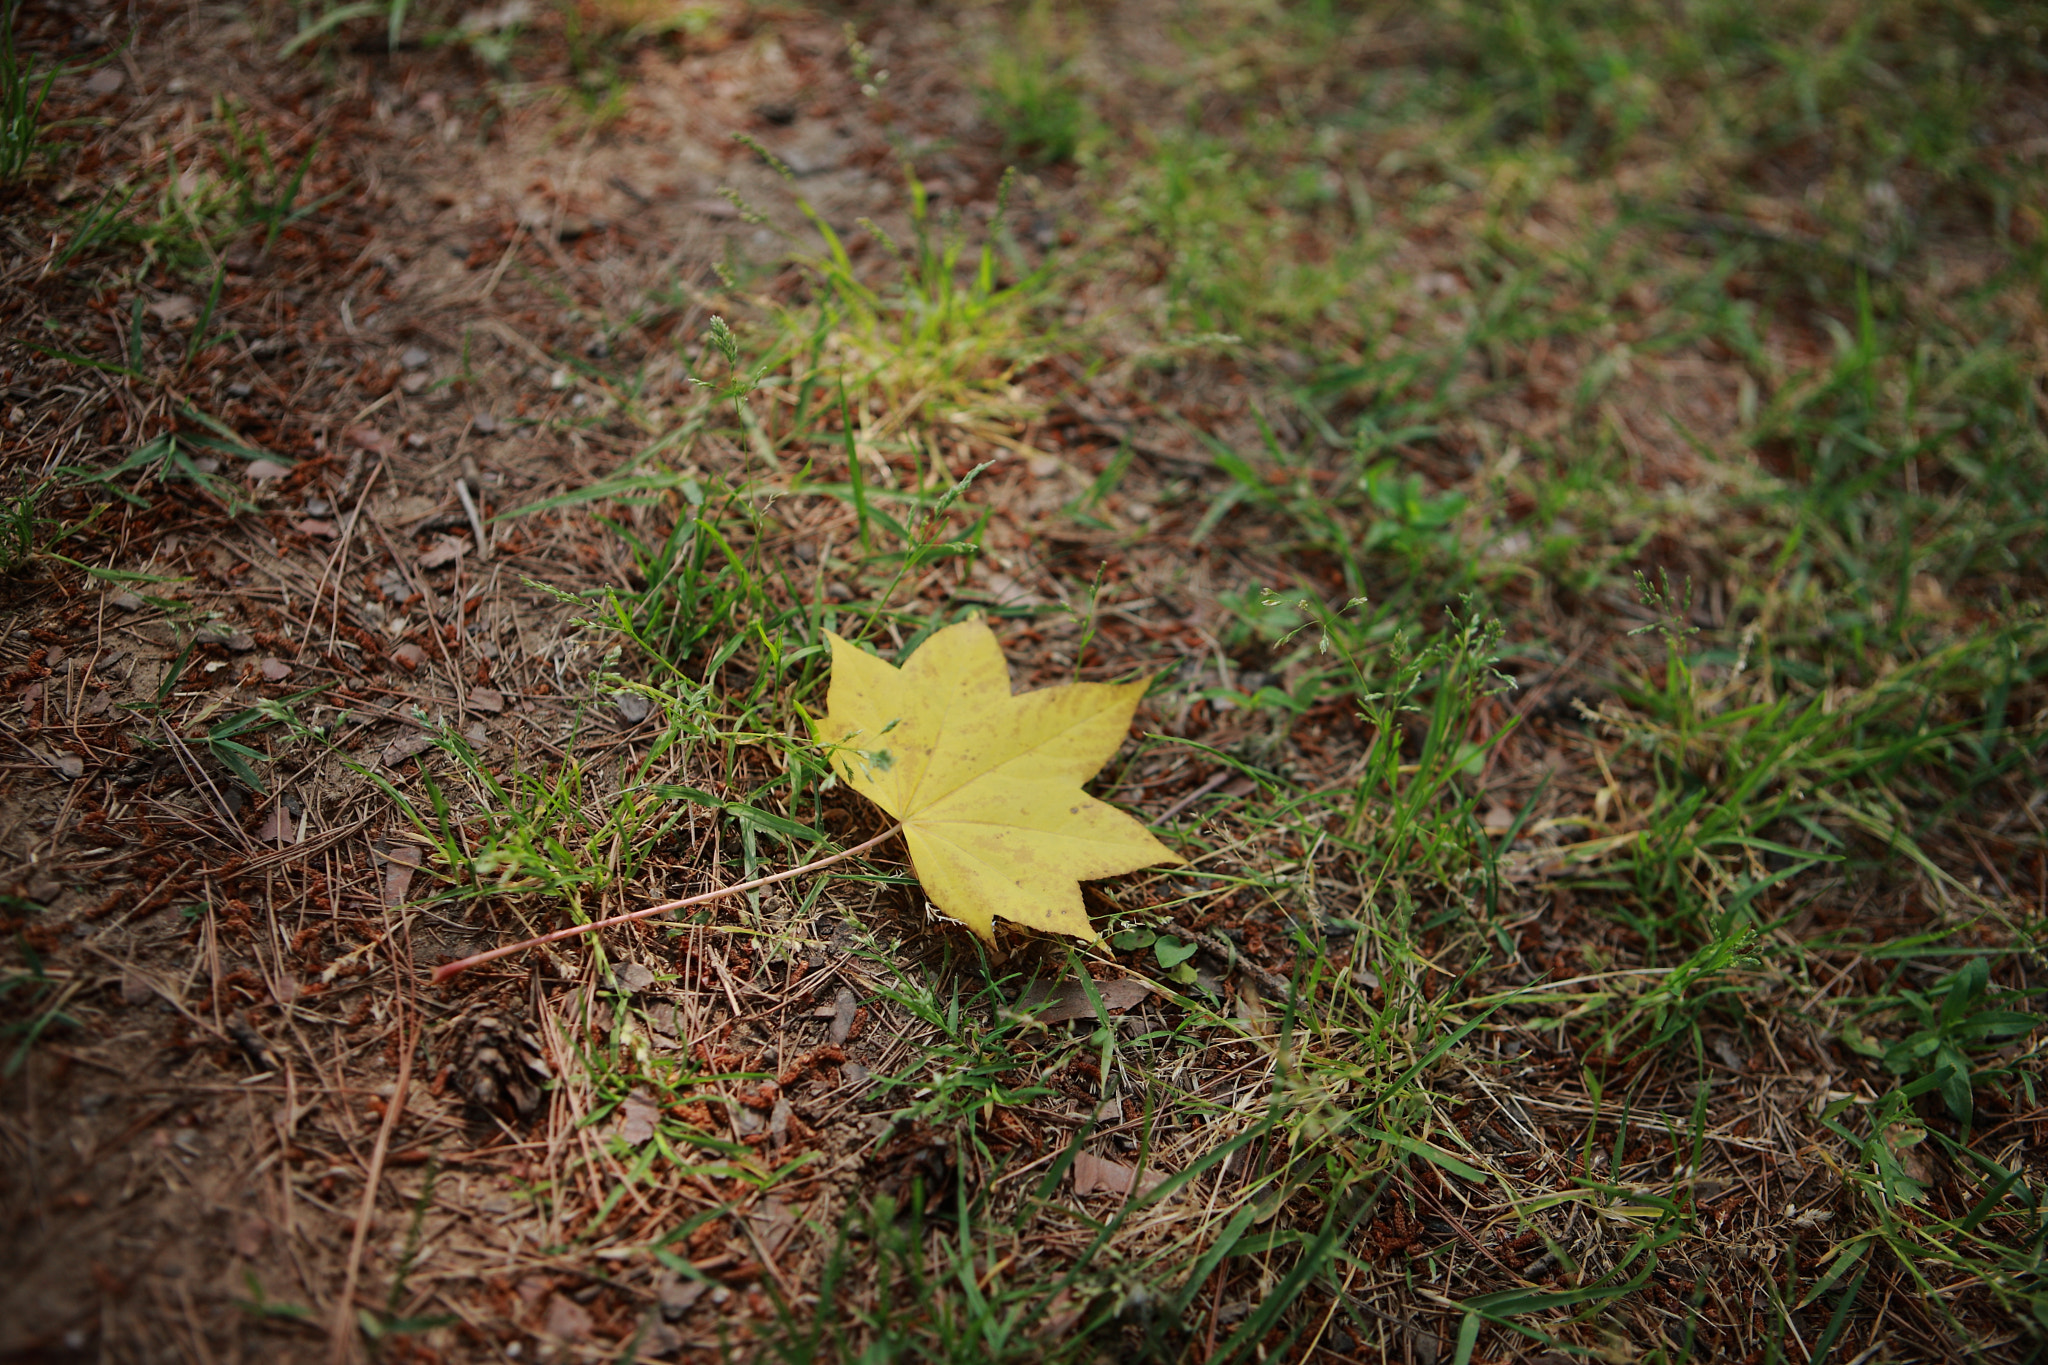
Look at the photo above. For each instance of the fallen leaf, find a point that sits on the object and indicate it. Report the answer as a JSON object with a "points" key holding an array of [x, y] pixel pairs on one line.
{"points": [[637, 1119], [408, 657], [844, 1007], [658, 1340], [406, 746], [1070, 999], [104, 81], [484, 699], [262, 471], [401, 861], [369, 438], [677, 1295], [773, 1222], [566, 1320], [278, 827], [633, 978], [1094, 1174], [274, 670], [986, 784], [443, 552], [174, 307], [251, 1235], [313, 526]]}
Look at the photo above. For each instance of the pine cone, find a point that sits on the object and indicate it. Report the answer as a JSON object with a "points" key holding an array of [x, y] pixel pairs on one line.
{"points": [[501, 1067]]}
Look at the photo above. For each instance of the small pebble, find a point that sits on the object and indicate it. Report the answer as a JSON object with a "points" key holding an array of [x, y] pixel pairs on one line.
{"points": [[414, 358]]}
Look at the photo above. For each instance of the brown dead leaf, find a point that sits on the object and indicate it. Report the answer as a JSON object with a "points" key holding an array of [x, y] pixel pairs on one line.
{"points": [[278, 827], [174, 308], [487, 700], [637, 1119], [409, 657], [252, 1234], [368, 438], [400, 864], [566, 1320], [313, 526], [443, 552], [1069, 1000], [406, 746], [274, 670], [1094, 1174], [844, 1008]]}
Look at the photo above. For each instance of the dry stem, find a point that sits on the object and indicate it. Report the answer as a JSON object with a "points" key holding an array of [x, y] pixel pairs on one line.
{"points": [[448, 969]]}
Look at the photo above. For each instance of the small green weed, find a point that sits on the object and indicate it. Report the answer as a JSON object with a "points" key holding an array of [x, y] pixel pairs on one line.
{"points": [[34, 1003], [1032, 95], [944, 332], [1950, 1025], [22, 95]]}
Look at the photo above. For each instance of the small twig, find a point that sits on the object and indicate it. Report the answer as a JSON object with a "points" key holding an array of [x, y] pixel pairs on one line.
{"points": [[448, 969], [1222, 775], [476, 518], [1279, 985]]}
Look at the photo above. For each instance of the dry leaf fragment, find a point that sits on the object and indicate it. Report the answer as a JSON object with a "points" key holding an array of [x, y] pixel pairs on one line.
{"points": [[844, 1007], [1070, 999], [1093, 1174], [401, 860], [634, 978], [278, 827], [987, 785], [368, 438], [274, 669], [638, 1118], [566, 1319], [406, 746], [444, 551], [172, 308], [486, 699]]}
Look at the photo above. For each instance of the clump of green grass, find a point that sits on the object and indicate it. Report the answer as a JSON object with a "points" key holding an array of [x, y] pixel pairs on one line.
{"points": [[941, 331], [22, 95], [1032, 95]]}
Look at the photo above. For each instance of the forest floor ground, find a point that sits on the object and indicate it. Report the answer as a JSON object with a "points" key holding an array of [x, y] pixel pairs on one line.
{"points": [[1573, 479]]}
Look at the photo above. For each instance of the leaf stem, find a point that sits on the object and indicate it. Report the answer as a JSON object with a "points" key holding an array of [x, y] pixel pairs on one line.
{"points": [[448, 969]]}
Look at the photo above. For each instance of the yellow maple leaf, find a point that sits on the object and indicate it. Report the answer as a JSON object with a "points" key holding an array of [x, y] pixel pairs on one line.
{"points": [[987, 785]]}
